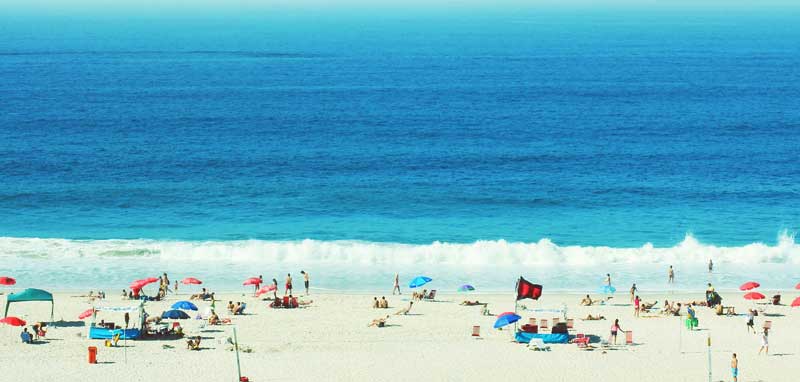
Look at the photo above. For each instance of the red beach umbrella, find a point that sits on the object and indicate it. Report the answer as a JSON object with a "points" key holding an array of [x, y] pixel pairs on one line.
{"points": [[796, 302], [191, 280], [754, 296], [797, 286], [252, 281], [266, 289], [13, 321], [5, 280], [749, 285], [86, 313]]}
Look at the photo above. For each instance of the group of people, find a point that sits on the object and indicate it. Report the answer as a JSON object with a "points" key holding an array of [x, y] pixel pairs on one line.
{"points": [[203, 295], [419, 296], [380, 304], [237, 308]]}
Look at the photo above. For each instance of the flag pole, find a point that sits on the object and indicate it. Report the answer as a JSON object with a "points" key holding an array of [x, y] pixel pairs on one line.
{"points": [[516, 292]]}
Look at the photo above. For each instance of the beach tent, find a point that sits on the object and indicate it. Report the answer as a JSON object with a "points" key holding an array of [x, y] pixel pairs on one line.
{"points": [[30, 294]]}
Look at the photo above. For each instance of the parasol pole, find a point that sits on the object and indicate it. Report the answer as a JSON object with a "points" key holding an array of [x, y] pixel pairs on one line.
{"points": [[516, 301], [125, 338], [236, 347]]}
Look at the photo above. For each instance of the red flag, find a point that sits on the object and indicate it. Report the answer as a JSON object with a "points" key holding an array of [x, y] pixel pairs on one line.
{"points": [[526, 289]]}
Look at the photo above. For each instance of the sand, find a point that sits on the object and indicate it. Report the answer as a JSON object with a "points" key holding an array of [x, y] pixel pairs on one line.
{"points": [[330, 341]]}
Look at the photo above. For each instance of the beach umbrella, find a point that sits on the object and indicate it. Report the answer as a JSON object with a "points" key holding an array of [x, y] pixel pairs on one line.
{"points": [[185, 305], [749, 285], [252, 281], [175, 315], [796, 302], [754, 296], [266, 289], [797, 286], [5, 280], [419, 281], [607, 289], [466, 288], [86, 313], [505, 319], [191, 280], [13, 321]]}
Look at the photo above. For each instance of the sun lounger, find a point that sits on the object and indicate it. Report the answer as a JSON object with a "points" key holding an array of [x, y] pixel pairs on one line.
{"points": [[543, 324], [538, 345], [532, 322], [431, 295]]}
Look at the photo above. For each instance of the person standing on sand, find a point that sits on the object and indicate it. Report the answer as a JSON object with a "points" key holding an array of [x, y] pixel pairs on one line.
{"points": [[288, 284], [396, 284], [735, 368], [764, 342], [608, 279], [166, 283], [275, 290], [614, 329], [305, 280], [636, 304], [258, 284], [710, 266], [633, 291], [671, 275]]}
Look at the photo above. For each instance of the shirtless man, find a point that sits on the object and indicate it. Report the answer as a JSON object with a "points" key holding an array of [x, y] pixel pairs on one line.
{"points": [[396, 283], [405, 310], [288, 284], [305, 280]]}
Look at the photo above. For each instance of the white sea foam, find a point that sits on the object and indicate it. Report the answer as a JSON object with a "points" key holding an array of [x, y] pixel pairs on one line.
{"points": [[493, 265], [496, 252]]}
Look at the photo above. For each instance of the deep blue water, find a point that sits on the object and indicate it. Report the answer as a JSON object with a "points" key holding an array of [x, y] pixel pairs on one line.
{"points": [[587, 129]]}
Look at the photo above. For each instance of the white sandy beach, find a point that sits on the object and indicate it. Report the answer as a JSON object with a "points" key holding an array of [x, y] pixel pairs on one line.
{"points": [[330, 340]]}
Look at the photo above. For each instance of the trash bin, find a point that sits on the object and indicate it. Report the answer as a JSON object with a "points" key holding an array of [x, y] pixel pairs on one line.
{"points": [[92, 354]]}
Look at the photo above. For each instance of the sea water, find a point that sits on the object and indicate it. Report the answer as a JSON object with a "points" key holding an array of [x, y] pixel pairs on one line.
{"points": [[472, 148]]}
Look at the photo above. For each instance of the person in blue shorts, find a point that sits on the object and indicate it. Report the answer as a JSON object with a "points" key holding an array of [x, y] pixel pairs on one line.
{"points": [[735, 368]]}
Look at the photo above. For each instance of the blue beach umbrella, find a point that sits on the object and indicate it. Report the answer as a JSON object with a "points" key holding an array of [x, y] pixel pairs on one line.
{"points": [[607, 289], [466, 288], [419, 281], [185, 305], [505, 319], [175, 315]]}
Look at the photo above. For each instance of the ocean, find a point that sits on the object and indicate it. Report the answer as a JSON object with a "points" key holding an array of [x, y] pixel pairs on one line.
{"points": [[472, 148]]}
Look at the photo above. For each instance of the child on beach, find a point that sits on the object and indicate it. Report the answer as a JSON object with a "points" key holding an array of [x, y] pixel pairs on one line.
{"points": [[636, 303], [614, 329], [764, 342], [734, 364]]}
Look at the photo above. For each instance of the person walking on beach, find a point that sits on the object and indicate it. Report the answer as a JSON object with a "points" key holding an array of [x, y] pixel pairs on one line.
{"points": [[633, 291], [735, 368], [258, 284], [614, 329], [305, 280], [396, 284], [636, 304], [671, 275], [608, 279], [764, 342], [288, 284], [751, 316], [710, 266]]}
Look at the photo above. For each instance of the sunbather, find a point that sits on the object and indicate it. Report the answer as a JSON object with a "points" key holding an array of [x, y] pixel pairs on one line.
{"points": [[375, 303], [405, 310], [231, 307], [472, 303], [383, 303], [379, 322], [199, 296], [594, 318], [586, 301], [648, 305], [213, 319]]}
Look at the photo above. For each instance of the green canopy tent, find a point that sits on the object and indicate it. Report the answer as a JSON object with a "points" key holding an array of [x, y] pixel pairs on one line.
{"points": [[30, 294]]}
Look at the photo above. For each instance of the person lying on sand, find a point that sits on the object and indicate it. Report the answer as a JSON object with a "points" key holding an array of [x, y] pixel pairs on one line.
{"points": [[379, 322], [405, 310], [152, 320], [303, 302], [594, 318], [471, 303], [648, 305]]}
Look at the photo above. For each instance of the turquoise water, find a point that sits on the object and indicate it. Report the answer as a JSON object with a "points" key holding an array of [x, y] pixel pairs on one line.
{"points": [[466, 147]]}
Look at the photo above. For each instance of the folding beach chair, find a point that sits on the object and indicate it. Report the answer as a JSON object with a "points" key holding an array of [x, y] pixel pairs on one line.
{"points": [[285, 301], [570, 324], [628, 337], [532, 321], [543, 324], [431, 295], [476, 331], [581, 340], [538, 345]]}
